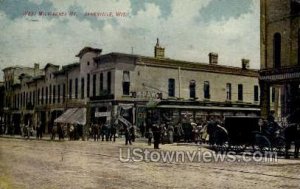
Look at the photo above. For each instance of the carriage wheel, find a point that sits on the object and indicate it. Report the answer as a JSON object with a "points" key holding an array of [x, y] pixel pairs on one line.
{"points": [[262, 143]]}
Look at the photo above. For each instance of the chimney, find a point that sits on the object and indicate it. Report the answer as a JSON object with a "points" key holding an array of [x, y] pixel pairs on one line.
{"points": [[213, 58], [159, 52], [36, 66], [245, 63]]}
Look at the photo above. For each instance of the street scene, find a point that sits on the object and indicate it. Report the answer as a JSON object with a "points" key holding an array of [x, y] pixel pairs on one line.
{"points": [[89, 164], [149, 94]]}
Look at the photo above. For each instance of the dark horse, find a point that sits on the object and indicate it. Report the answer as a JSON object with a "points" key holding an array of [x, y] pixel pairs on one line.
{"points": [[292, 134]]}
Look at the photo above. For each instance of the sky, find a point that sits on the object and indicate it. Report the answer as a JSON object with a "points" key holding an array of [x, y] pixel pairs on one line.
{"points": [[188, 30]]}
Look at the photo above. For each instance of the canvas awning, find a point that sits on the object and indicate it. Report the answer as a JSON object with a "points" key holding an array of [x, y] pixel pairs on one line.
{"points": [[73, 116], [207, 107]]}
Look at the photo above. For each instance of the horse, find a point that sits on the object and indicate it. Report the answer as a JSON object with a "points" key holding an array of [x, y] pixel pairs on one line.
{"points": [[292, 134]]}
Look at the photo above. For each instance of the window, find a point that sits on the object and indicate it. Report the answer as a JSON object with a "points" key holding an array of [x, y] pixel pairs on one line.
{"points": [[54, 94], [46, 96], [64, 92], [255, 93], [94, 85], [76, 88], [50, 94], [126, 82], [192, 89], [58, 93], [277, 50], [42, 99], [109, 82], [273, 94], [228, 91], [206, 90], [82, 88], [101, 83], [70, 89], [171, 87], [240, 92], [88, 86]]}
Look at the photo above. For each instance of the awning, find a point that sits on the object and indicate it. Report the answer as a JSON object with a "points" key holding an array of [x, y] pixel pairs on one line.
{"points": [[73, 116], [207, 107]]}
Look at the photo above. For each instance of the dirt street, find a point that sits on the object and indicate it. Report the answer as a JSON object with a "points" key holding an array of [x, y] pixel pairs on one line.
{"points": [[89, 164]]}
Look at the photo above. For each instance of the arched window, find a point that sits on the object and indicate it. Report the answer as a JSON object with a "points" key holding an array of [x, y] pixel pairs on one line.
{"points": [[277, 50]]}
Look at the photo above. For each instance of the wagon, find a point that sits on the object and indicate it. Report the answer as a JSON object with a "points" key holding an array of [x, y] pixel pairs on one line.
{"points": [[245, 131]]}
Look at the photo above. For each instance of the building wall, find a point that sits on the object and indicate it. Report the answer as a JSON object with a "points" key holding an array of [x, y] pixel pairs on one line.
{"points": [[155, 79], [276, 17]]}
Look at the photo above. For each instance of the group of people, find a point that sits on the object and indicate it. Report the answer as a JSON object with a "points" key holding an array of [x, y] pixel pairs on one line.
{"points": [[106, 131]]}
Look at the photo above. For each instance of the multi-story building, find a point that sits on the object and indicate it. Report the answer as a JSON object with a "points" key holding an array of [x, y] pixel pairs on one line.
{"points": [[280, 58], [104, 88], [175, 87], [12, 82]]}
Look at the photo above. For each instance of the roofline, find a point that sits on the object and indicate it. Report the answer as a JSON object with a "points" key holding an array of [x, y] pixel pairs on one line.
{"points": [[167, 62]]}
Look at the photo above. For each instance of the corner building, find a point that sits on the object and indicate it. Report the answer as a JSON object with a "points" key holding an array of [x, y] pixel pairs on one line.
{"points": [[280, 58]]}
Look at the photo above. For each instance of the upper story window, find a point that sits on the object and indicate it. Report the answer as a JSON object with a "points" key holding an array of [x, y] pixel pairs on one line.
{"points": [[82, 88], [46, 96], [76, 88], [54, 94], [64, 92], [50, 94], [206, 90], [171, 87], [70, 88], [101, 83], [94, 85], [88, 85], [126, 82], [58, 93], [277, 50], [88, 63], [192, 87], [42, 97], [109, 82], [228, 91], [240, 92], [255, 93]]}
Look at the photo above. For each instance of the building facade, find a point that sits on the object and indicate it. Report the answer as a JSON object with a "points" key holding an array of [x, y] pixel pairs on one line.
{"points": [[123, 87], [280, 58]]}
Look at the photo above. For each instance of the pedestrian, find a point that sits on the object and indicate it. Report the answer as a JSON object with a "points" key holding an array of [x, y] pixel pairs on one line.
{"points": [[150, 135], [132, 133], [127, 135], [39, 133], [142, 129], [156, 135]]}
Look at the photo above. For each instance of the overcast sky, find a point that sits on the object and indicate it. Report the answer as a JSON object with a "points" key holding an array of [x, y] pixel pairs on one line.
{"points": [[188, 29]]}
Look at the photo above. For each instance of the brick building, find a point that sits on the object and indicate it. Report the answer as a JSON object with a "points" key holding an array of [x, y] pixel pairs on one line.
{"points": [[107, 87], [280, 57]]}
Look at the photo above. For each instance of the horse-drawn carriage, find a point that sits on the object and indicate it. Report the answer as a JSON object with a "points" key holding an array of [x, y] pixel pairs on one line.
{"points": [[241, 133]]}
